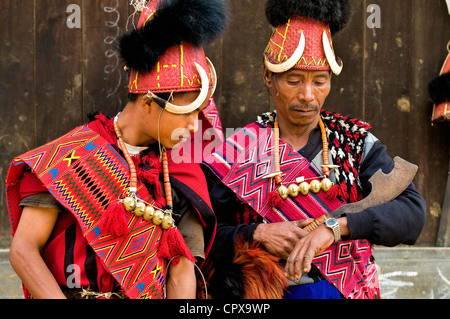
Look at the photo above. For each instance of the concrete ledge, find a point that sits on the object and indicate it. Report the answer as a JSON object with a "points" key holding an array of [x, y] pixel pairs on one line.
{"points": [[405, 273], [414, 272], [10, 284]]}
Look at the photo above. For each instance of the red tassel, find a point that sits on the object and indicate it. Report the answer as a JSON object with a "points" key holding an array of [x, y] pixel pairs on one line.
{"points": [[333, 192], [274, 199], [172, 244], [107, 123], [151, 177], [113, 220]]}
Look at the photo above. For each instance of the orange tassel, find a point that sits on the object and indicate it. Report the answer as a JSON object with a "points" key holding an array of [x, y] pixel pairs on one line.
{"points": [[113, 220]]}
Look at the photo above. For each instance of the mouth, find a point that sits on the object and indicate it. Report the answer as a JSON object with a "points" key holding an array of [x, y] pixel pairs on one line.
{"points": [[304, 109], [304, 112]]}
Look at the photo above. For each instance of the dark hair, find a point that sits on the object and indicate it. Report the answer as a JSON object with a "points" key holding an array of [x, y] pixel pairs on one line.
{"points": [[132, 97]]}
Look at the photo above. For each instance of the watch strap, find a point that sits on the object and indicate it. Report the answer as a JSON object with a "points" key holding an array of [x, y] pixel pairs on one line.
{"points": [[336, 231]]}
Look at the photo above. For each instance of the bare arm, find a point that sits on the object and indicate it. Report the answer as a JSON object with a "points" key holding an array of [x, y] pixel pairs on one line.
{"points": [[181, 281], [33, 232]]}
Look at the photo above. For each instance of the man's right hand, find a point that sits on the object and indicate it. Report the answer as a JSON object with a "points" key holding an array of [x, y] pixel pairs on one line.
{"points": [[279, 239]]}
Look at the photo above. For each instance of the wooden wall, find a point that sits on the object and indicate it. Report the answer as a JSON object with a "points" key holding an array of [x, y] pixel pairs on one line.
{"points": [[52, 76]]}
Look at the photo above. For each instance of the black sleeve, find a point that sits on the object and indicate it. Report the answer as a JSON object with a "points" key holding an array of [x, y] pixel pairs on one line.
{"points": [[226, 205], [399, 222]]}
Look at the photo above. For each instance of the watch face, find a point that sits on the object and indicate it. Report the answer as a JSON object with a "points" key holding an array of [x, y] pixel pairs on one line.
{"points": [[331, 222]]}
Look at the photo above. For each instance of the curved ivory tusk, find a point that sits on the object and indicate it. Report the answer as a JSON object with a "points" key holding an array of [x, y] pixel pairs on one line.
{"points": [[213, 76], [335, 67], [203, 96], [291, 62]]}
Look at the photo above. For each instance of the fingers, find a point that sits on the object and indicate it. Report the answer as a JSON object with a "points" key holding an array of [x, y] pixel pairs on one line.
{"points": [[303, 223], [305, 250], [307, 261], [299, 261], [279, 239]]}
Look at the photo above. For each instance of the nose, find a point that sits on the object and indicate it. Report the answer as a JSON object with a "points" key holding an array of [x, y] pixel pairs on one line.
{"points": [[306, 93], [192, 124]]}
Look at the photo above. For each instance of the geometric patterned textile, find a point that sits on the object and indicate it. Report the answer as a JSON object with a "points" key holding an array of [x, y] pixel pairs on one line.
{"points": [[246, 157], [212, 115], [346, 139], [85, 173]]}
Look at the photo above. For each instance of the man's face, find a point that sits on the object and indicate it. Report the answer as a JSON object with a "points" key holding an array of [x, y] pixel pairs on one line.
{"points": [[298, 94], [178, 125]]}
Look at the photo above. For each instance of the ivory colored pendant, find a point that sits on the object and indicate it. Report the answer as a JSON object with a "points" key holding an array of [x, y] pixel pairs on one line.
{"points": [[129, 203], [326, 184], [283, 191], [139, 210], [315, 186], [158, 217], [293, 190], [149, 211], [304, 188]]}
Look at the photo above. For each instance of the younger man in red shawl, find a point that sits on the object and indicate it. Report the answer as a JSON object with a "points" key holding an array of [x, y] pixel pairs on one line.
{"points": [[104, 211]]}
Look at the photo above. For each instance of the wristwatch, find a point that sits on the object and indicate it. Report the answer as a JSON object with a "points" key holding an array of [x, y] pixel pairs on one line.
{"points": [[333, 224]]}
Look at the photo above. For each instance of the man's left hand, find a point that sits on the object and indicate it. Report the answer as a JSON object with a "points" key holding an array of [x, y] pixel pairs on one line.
{"points": [[309, 246]]}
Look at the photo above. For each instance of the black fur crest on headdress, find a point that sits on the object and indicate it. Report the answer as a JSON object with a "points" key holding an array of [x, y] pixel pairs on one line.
{"points": [[176, 21], [335, 13]]}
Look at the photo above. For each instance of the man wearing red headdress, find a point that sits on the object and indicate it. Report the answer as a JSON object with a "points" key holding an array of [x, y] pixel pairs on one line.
{"points": [[298, 164], [104, 211]]}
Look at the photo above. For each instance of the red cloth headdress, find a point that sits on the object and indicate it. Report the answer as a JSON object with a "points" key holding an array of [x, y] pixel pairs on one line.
{"points": [[302, 38]]}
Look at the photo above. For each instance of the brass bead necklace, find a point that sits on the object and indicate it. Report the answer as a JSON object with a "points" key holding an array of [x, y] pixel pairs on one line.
{"points": [[137, 206], [302, 186]]}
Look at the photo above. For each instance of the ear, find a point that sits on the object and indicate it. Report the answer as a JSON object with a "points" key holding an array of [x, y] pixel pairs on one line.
{"points": [[267, 76], [146, 103]]}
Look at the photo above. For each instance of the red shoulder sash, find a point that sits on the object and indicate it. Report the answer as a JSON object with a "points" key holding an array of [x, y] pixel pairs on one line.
{"points": [[243, 162], [84, 173]]}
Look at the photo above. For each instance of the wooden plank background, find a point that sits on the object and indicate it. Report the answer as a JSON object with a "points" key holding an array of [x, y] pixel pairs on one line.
{"points": [[52, 76]]}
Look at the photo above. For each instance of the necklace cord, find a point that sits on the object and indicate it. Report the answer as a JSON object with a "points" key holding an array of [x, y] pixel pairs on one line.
{"points": [[303, 187], [133, 172], [326, 159]]}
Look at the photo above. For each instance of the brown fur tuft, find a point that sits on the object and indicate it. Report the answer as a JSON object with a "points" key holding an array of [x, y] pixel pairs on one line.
{"points": [[252, 273]]}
